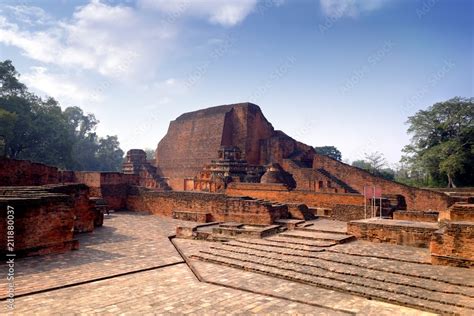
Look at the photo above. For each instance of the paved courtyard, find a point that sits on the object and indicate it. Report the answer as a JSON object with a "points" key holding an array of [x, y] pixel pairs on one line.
{"points": [[130, 266]]}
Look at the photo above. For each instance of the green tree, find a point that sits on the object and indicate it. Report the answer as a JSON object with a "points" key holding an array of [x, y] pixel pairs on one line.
{"points": [[150, 153], [376, 164], [330, 151], [39, 130], [361, 164], [442, 143]]}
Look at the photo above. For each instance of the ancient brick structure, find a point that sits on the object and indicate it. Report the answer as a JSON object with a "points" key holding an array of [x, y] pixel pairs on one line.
{"points": [[416, 216], [194, 138], [453, 244], [228, 167], [280, 193], [147, 173], [111, 186], [219, 206], [46, 217], [392, 231]]}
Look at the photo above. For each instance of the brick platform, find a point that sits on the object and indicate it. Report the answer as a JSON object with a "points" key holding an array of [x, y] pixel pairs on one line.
{"points": [[408, 233]]}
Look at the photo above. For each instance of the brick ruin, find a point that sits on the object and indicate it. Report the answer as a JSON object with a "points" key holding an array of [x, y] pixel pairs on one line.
{"points": [[228, 163]]}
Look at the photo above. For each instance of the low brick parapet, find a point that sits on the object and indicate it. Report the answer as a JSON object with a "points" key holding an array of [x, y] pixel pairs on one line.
{"points": [[408, 233]]}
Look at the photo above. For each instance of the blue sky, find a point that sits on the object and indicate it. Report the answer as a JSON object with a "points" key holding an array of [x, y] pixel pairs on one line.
{"points": [[346, 73]]}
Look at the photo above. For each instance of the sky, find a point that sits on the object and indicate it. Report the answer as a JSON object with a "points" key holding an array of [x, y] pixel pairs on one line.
{"points": [[346, 73]]}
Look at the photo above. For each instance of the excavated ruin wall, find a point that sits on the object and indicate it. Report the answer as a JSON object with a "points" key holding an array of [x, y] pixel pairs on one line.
{"points": [[311, 199], [416, 199], [219, 206]]}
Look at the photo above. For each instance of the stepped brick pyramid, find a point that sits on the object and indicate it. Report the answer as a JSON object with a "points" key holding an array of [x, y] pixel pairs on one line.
{"points": [[194, 139]]}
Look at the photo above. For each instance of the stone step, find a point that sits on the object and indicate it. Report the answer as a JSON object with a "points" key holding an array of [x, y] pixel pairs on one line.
{"points": [[401, 295], [320, 230], [391, 265], [315, 235], [275, 242], [289, 223], [344, 269], [280, 239], [305, 224], [274, 249]]}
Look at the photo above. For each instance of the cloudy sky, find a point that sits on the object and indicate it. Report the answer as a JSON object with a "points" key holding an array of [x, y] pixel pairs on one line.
{"points": [[346, 73]]}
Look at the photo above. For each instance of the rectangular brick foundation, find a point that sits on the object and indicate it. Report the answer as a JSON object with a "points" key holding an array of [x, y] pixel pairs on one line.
{"points": [[195, 216], [453, 245], [43, 224], [431, 217], [405, 233]]}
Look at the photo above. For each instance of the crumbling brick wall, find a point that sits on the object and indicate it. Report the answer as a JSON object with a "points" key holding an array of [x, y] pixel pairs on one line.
{"points": [[279, 194], [453, 244], [111, 186], [416, 216], [43, 223], [24, 172], [346, 213], [219, 206], [416, 199], [415, 235], [194, 138]]}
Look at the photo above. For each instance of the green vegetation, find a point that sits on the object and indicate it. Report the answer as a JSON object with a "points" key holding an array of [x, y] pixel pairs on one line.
{"points": [[39, 130], [376, 164], [330, 151], [441, 152]]}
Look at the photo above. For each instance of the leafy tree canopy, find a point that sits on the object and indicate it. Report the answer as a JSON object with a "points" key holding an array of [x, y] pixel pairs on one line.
{"points": [[330, 151], [441, 150], [376, 164], [39, 130]]}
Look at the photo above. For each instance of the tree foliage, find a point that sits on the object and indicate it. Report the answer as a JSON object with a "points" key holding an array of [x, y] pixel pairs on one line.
{"points": [[376, 164], [441, 149], [330, 151], [39, 130]]}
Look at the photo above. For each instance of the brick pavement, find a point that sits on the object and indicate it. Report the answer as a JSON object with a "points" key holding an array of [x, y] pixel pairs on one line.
{"points": [[169, 290], [127, 242], [302, 276]]}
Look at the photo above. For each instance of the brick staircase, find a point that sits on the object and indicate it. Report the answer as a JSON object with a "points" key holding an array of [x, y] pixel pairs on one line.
{"points": [[309, 255], [338, 181]]}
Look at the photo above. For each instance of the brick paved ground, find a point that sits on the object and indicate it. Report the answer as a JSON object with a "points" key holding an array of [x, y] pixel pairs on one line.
{"points": [[303, 276], [170, 290], [127, 242]]}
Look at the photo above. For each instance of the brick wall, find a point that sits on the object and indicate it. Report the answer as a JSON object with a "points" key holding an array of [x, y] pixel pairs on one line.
{"points": [[43, 224], [453, 245], [416, 199], [84, 209], [346, 213], [194, 138], [311, 199], [416, 216], [458, 212], [111, 186], [219, 206], [414, 235], [24, 172]]}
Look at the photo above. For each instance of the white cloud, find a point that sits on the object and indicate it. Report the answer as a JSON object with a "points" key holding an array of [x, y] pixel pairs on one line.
{"points": [[115, 41], [58, 86], [226, 13], [28, 15], [351, 8]]}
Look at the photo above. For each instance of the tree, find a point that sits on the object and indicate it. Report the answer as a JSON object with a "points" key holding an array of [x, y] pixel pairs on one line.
{"points": [[150, 153], [361, 164], [442, 143], [9, 83], [39, 130], [375, 163], [330, 151]]}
